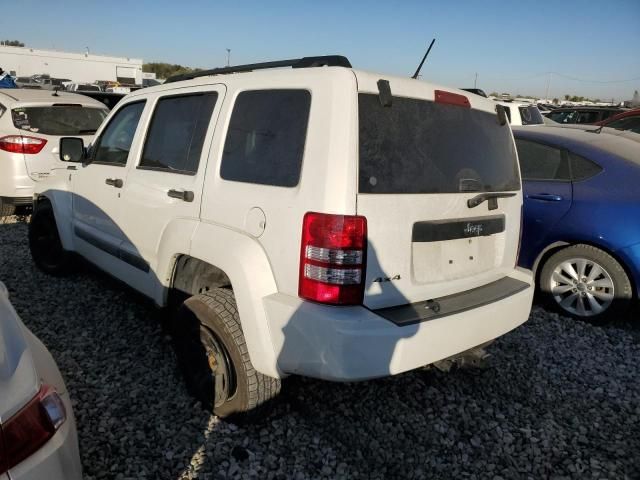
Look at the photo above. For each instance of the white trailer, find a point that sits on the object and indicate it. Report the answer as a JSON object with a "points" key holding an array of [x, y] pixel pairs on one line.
{"points": [[79, 67]]}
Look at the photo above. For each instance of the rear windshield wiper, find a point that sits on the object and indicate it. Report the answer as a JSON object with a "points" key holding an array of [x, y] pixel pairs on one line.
{"points": [[492, 198], [90, 131]]}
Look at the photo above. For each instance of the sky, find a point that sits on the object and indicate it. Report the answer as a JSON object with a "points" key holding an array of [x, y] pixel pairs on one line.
{"points": [[592, 47]]}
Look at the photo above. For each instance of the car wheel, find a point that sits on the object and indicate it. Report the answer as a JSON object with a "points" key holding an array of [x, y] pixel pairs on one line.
{"points": [[586, 283], [44, 242], [213, 356], [6, 209]]}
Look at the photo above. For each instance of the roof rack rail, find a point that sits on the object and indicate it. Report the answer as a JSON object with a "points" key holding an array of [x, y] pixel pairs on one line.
{"points": [[305, 62]]}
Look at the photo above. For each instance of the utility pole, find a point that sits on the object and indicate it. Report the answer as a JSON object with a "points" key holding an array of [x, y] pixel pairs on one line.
{"points": [[228, 57], [475, 81], [548, 84]]}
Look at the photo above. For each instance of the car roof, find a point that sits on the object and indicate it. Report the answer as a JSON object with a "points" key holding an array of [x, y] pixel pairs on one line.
{"points": [[27, 95], [364, 81], [622, 144], [515, 104]]}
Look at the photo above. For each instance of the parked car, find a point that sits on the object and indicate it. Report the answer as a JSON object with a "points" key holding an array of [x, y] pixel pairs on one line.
{"points": [[109, 99], [629, 120], [587, 115], [296, 216], [37, 428], [581, 199], [31, 123], [27, 82], [83, 87], [522, 113]]}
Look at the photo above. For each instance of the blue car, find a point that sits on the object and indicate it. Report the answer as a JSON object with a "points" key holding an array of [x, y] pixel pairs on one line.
{"points": [[581, 230]]}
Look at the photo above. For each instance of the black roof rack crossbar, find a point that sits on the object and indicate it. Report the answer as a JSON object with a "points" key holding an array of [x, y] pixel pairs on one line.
{"points": [[305, 62]]}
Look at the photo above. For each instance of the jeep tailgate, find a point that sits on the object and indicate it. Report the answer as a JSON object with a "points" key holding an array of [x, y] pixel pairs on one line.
{"points": [[421, 159]]}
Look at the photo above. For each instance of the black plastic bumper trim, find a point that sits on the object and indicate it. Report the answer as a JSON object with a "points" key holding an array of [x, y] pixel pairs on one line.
{"points": [[452, 304]]}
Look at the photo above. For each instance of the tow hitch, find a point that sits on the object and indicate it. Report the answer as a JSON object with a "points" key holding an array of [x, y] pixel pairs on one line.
{"points": [[476, 357]]}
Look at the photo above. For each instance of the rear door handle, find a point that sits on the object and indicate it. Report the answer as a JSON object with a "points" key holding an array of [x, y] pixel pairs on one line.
{"points": [[184, 195], [114, 182], [545, 196]]}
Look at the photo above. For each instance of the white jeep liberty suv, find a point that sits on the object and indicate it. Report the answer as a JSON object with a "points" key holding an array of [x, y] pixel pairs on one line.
{"points": [[314, 220]]}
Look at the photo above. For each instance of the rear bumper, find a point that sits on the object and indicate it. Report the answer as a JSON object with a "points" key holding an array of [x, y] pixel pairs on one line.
{"points": [[15, 182], [354, 343]]}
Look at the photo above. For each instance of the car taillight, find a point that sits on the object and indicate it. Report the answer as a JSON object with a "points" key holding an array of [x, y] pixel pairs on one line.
{"points": [[30, 428], [22, 144], [333, 258]]}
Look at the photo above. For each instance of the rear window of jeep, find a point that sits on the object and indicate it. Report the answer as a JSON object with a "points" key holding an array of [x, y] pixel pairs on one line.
{"points": [[266, 137], [419, 146]]}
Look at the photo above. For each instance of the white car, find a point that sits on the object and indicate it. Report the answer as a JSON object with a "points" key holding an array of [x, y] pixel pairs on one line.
{"points": [[83, 87], [522, 113], [318, 221], [38, 438], [31, 125]]}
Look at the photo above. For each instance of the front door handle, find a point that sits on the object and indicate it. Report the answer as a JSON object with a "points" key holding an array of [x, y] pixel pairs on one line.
{"points": [[114, 182], [184, 195], [546, 197]]}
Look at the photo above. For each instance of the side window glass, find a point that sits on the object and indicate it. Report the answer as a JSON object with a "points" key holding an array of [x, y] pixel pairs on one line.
{"points": [[541, 162], [581, 168], [266, 137], [115, 142], [176, 133]]}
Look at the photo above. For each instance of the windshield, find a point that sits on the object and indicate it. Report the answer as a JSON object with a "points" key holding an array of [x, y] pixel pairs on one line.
{"points": [[59, 119], [418, 146], [531, 115]]}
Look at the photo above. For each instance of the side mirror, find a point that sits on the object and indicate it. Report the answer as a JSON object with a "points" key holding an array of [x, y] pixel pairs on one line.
{"points": [[72, 150]]}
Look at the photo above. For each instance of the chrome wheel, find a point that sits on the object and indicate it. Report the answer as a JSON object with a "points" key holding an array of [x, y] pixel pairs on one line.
{"points": [[582, 287]]}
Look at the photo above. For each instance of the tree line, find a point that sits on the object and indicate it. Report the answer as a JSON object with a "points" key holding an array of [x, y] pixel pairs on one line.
{"points": [[12, 43], [166, 70]]}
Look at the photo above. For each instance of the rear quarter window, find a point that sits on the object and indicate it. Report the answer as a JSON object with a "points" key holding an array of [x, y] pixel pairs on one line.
{"points": [[266, 137]]}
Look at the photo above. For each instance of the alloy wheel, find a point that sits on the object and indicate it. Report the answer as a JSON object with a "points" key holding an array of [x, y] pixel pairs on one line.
{"points": [[582, 287]]}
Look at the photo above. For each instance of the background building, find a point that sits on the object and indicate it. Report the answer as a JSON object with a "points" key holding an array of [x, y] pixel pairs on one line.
{"points": [[79, 67]]}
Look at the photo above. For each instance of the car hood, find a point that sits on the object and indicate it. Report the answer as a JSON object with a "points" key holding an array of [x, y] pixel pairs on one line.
{"points": [[18, 378]]}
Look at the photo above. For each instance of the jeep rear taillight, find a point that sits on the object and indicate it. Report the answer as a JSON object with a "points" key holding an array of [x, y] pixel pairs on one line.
{"points": [[22, 144], [333, 258], [30, 428]]}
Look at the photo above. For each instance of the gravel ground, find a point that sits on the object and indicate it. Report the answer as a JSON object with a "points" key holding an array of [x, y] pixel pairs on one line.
{"points": [[559, 399]]}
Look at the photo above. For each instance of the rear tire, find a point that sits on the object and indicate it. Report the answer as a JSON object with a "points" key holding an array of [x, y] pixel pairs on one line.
{"points": [[44, 242], [213, 356], [586, 283]]}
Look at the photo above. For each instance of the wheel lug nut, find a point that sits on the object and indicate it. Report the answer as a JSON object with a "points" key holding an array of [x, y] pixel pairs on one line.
{"points": [[575, 290]]}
